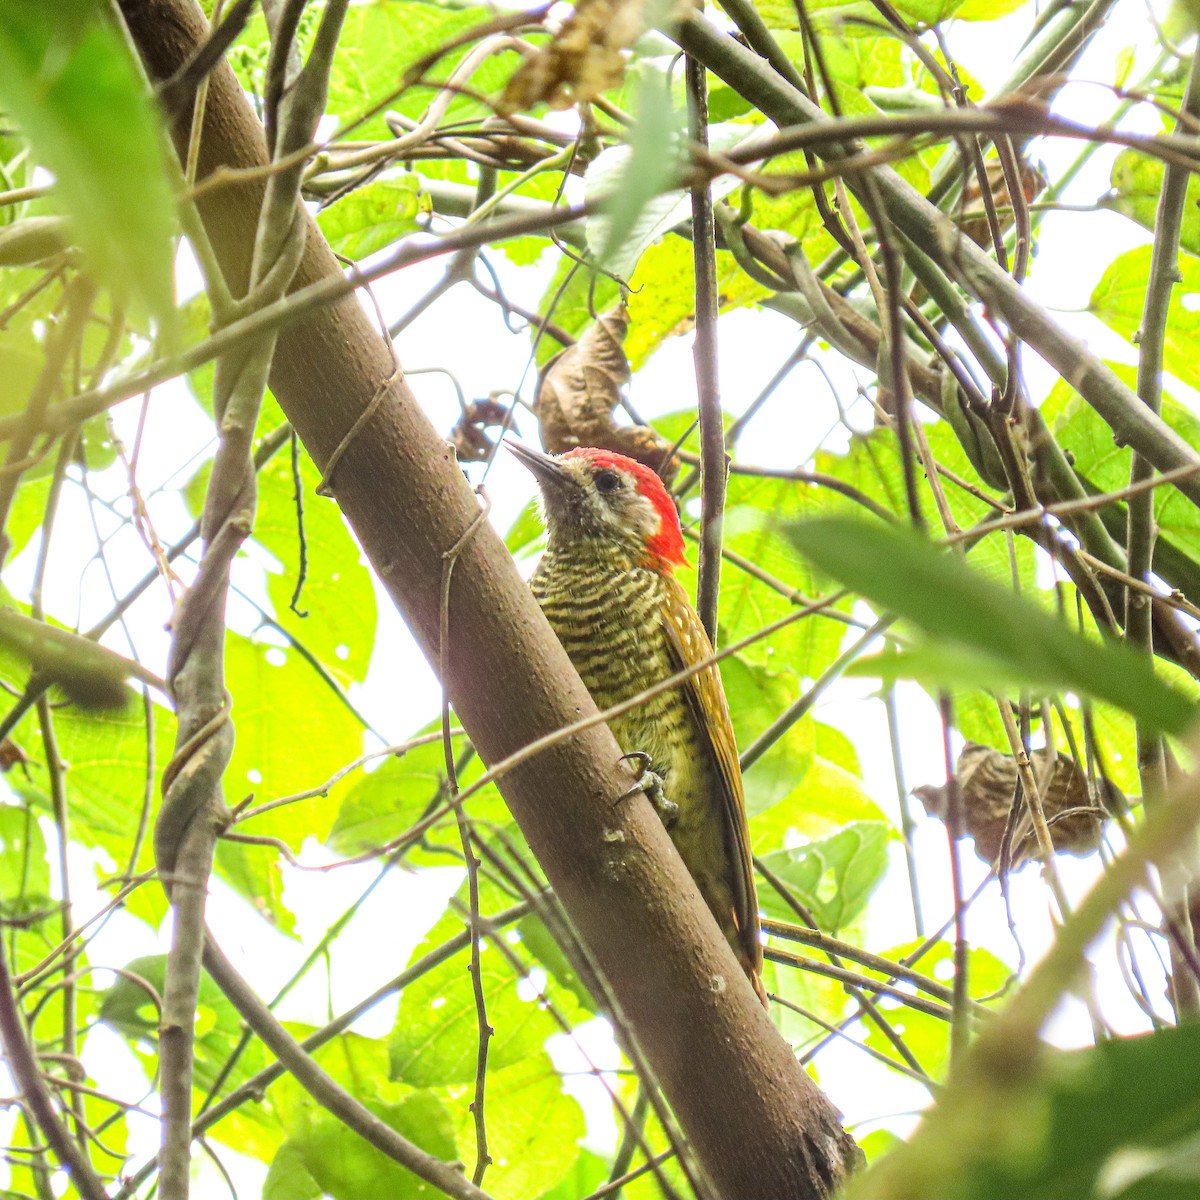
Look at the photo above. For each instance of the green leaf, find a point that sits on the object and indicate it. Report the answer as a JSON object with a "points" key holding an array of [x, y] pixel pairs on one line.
{"points": [[833, 877], [651, 161], [538, 940], [1120, 297], [662, 302], [24, 867], [608, 176], [289, 1177], [829, 798], [1120, 1120], [325, 1157], [106, 783], [374, 216], [128, 1008], [379, 41], [780, 15], [69, 80], [527, 534], [937, 666], [988, 10], [569, 300], [1104, 466], [586, 1174], [278, 706], [338, 595], [928, 1037], [435, 1037], [756, 697], [21, 363], [27, 513], [905, 574], [533, 1127], [1137, 182], [378, 807], [25, 897]]}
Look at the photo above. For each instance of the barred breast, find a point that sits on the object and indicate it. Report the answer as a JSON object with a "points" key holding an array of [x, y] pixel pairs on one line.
{"points": [[610, 622], [610, 626]]}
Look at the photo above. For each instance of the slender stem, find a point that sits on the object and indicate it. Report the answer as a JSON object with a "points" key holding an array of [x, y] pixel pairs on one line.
{"points": [[713, 469], [26, 1072], [907, 823], [327, 1092], [866, 982], [1139, 610]]}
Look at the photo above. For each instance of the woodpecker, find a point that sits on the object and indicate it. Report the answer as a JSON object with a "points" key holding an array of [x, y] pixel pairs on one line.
{"points": [[606, 583]]}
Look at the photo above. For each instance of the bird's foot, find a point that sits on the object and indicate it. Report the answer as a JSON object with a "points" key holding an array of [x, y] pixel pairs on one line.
{"points": [[651, 783]]}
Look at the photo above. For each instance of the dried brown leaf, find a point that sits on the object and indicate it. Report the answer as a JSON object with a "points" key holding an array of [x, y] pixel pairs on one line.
{"points": [[987, 781], [468, 437], [584, 59], [579, 389]]}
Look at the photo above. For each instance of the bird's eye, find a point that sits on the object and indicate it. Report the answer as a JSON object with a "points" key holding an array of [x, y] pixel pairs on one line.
{"points": [[607, 481]]}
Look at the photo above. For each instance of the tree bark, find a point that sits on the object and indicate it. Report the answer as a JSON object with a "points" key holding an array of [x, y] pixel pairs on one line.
{"points": [[757, 1123]]}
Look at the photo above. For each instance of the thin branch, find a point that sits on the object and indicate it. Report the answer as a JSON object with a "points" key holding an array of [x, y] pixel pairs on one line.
{"points": [[1139, 542], [327, 1092], [23, 1064], [865, 982], [193, 809], [713, 468]]}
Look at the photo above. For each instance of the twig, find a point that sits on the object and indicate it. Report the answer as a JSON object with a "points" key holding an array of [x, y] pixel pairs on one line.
{"points": [[26, 1073], [713, 468], [485, 1031], [907, 824], [1139, 542], [326, 1091], [891, 970], [842, 975], [960, 1030]]}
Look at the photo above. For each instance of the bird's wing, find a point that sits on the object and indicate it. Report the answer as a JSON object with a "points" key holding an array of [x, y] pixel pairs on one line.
{"points": [[689, 644]]}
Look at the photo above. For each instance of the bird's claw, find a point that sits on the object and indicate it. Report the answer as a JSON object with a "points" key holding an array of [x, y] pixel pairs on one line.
{"points": [[650, 783]]}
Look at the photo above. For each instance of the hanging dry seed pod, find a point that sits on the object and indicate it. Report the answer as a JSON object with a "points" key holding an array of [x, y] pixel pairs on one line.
{"points": [[987, 783], [580, 387]]}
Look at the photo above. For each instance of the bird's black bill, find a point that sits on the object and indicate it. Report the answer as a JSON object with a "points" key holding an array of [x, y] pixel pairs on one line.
{"points": [[545, 469]]}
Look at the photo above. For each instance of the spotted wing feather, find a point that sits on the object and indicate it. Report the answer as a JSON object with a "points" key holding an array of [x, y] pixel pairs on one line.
{"points": [[705, 695]]}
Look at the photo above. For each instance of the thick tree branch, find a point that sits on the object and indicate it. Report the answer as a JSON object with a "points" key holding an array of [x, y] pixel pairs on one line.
{"points": [[758, 1123]]}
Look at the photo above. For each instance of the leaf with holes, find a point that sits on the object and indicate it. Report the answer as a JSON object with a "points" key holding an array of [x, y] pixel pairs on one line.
{"points": [[434, 1040], [374, 216], [833, 877]]}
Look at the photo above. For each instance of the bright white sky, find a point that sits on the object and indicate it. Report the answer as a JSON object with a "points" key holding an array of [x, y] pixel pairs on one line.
{"points": [[400, 693]]}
